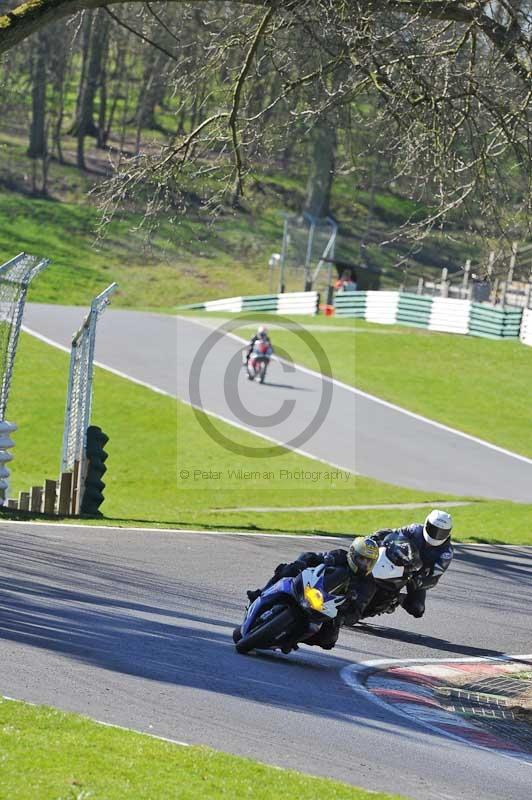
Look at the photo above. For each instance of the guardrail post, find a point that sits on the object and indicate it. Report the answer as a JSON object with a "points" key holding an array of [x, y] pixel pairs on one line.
{"points": [[420, 283]]}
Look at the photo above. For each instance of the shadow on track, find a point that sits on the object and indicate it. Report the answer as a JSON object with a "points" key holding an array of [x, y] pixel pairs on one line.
{"points": [[287, 386], [432, 642], [96, 612]]}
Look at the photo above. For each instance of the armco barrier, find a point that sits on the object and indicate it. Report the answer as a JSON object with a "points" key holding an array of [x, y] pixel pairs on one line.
{"points": [[445, 314], [495, 323], [414, 309], [350, 304], [288, 303], [382, 307], [449, 315], [526, 327]]}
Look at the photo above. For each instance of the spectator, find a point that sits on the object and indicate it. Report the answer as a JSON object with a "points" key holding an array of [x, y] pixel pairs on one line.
{"points": [[347, 282]]}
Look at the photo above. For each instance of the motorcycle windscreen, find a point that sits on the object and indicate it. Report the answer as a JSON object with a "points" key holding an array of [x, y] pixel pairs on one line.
{"points": [[385, 570]]}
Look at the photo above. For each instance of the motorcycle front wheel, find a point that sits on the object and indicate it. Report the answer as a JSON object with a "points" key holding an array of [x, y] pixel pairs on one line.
{"points": [[265, 634]]}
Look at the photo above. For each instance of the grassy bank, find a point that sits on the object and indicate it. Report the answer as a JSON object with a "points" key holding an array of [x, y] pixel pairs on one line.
{"points": [[163, 468], [188, 255], [51, 755]]}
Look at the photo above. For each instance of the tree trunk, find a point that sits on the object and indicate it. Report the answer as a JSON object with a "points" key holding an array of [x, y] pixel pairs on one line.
{"points": [[322, 152], [37, 142], [94, 51], [153, 90]]}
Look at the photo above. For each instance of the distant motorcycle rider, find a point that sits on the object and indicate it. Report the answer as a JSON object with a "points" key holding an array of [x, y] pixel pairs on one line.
{"points": [[432, 541], [359, 586], [260, 336]]}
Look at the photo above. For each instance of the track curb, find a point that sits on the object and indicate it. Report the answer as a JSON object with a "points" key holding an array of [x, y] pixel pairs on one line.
{"points": [[421, 690]]}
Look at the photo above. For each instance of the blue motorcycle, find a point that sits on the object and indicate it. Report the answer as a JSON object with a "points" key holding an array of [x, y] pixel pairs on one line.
{"points": [[292, 610]]}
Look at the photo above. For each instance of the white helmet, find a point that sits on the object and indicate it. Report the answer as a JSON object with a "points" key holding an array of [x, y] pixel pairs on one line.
{"points": [[262, 330], [437, 528]]}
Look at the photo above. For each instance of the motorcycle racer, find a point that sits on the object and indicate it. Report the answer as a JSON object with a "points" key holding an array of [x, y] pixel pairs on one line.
{"points": [[432, 540], [260, 336], [358, 562]]}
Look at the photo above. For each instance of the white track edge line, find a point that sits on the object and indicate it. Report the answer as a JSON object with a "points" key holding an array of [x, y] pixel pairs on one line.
{"points": [[339, 537], [99, 721], [238, 425], [387, 404]]}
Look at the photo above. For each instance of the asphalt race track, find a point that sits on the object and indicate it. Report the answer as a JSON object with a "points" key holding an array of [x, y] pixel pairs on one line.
{"points": [[357, 433], [134, 628]]}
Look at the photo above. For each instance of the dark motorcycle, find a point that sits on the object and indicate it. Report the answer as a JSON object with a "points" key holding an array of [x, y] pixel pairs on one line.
{"points": [[292, 610], [257, 363], [398, 560]]}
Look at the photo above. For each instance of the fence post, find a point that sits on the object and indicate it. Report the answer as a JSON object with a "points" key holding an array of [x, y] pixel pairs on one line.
{"points": [[528, 294], [420, 283], [467, 271], [24, 501], [504, 289], [444, 286], [65, 493], [491, 261], [513, 258], [50, 490], [36, 498]]}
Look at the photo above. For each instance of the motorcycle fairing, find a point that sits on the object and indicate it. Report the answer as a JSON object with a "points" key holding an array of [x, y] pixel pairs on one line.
{"points": [[385, 570]]}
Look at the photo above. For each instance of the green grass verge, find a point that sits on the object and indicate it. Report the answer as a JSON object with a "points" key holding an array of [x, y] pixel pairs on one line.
{"points": [[51, 755], [162, 465], [479, 386], [164, 469]]}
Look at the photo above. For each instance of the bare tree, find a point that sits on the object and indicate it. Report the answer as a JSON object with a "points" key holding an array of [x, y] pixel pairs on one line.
{"points": [[442, 90]]}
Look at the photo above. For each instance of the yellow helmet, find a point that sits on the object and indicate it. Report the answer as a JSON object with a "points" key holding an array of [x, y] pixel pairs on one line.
{"points": [[362, 555]]}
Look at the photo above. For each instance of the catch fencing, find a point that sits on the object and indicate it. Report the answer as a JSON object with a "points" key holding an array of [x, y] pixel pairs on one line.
{"points": [[15, 278], [79, 393]]}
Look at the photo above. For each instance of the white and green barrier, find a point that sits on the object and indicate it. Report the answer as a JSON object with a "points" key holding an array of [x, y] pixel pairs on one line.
{"points": [[288, 303], [526, 327], [444, 314]]}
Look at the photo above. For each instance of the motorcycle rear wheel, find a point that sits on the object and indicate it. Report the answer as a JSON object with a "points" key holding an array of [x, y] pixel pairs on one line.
{"points": [[264, 635]]}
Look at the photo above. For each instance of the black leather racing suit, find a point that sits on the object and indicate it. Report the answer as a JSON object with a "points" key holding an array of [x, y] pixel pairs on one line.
{"points": [[435, 560], [360, 590]]}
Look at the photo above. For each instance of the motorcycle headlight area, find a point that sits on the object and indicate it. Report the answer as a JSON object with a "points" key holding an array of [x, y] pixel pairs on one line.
{"points": [[314, 598]]}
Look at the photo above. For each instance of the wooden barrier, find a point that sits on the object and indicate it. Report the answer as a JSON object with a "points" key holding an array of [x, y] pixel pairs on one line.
{"points": [[24, 501], [50, 491], [65, 494], [36, 499]]}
